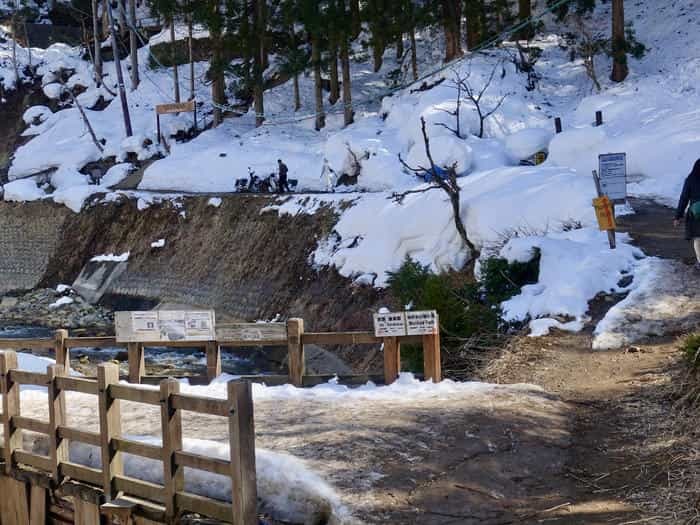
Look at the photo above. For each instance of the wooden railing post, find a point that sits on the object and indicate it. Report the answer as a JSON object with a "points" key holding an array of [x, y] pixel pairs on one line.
{"points": [[10, 408], [137, 362], [241, 429], [213, 360], [171, 428], [110, 427], [58, 448], [61, 351], [432, 367], [295, 349], [392, 359]]}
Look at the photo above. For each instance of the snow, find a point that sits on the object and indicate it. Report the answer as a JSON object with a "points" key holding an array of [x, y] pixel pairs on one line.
{"points": [[63, 301], [215, 202], [63, 288], [160, 243], [22, 190], [523, 144], [116, 174], [36, 114], [575, 266], [111, 257]]}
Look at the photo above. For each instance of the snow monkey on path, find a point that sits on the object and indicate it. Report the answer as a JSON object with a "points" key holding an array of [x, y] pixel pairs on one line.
{"points": [[689, 206]]}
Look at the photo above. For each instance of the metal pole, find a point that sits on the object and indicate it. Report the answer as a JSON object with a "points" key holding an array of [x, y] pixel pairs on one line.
{"points": [[118, 67], [557, 125]]}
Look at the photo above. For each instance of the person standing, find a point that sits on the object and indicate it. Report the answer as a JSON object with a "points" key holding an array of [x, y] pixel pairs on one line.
{"points": [[282, 171], [689, 206]]}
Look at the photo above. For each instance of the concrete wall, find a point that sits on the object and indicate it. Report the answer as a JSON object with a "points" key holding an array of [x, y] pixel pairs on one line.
{"points": [[29, 236]]}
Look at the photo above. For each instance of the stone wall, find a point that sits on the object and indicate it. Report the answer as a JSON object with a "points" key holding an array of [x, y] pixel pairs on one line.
{"points": [[29, 236]]}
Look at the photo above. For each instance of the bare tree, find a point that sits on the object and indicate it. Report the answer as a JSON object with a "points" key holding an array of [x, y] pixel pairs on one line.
{"points": [[588, 47], [446, 180]]}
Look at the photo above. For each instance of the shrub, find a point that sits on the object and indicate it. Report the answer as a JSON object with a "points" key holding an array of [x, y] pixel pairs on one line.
{"points": [[690, 346]]}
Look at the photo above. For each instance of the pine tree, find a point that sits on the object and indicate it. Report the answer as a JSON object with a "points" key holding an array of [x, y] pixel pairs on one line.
{"points": [[451, 20], [475, 13]]}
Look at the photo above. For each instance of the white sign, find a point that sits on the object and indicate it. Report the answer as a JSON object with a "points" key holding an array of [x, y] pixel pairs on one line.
{"points": [[422, 323], [612, 170], [164, 326], [390, 324]]}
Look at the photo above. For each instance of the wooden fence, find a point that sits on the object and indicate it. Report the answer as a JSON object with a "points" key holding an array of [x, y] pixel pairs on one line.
{"points": [[118, 489], [292, 335]]}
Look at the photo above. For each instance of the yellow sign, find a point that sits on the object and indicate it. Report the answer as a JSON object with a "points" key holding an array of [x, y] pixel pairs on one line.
{"points": [[605, 213], [163, 109], [540, 157]]}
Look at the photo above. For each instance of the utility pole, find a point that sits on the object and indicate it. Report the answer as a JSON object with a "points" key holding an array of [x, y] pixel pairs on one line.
{"points": [[118, 67], [133, 45]]}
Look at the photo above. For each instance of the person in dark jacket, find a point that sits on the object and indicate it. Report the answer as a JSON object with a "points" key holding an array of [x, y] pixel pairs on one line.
{"points": [[282, 171], [689, 206]]}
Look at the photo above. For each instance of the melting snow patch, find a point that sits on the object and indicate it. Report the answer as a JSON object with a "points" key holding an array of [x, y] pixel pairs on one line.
{"points": [[160, 243], [111, 257], [215, 202], [63, 301]]}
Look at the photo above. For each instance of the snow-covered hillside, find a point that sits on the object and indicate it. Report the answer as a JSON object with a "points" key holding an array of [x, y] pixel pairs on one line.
{"points": [[652, 117]]}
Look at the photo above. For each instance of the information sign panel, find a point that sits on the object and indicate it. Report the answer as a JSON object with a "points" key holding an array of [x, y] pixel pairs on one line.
{"points": [[390, 324], [164, 326], [612, 170], [422, 323]]}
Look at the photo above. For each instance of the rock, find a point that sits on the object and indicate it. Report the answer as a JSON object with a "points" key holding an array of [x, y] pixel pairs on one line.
{"points": [[8, 302]]}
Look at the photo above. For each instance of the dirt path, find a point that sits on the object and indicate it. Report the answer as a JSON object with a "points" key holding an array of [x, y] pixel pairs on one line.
{"points": [[624, 455]]}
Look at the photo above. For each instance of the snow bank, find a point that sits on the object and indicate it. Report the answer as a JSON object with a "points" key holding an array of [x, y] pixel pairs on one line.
{"points": [[111, 257], [523, 144], [575, 266], [23, 190]]}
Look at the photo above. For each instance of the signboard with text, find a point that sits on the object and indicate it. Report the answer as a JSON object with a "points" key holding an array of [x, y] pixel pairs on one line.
{"points": [[178, 107], [390, 324], [422, 323], [400, 324], [164, 326], [612, 170]]}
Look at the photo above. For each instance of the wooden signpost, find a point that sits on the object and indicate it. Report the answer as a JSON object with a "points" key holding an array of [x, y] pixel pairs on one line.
{"points": [[164, 326], [611, 187], [178, 107]]}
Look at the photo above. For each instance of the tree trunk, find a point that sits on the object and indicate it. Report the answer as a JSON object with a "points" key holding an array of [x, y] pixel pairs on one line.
{"points": [[333, 71], [414, 53], [619, 45], [258, 60], [297, 96], [378, 47], [15, 66], [348, 113], [451, 18], [524, 13], [29, 45], [133, 45], [355, 20], [120, 78], [98, 49], [399, 47], [191, 54], [318, 87], [122, 18], [218, 84], [173, 55], [456, 211]]}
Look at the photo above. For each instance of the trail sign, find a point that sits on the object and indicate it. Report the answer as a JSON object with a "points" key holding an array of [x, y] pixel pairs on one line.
{"points": [[612, 171], [177, 107], [164, 326], [422, 323], [390, 324], [605, 213]]}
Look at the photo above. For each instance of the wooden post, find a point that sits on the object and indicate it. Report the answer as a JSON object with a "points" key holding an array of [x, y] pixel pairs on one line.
{"points": [[38, 501], [61, 352], [110, 427], [557, 125], [10, 408], [295, 348], [241, 429], [137, 362], [171, 427], [392, 359], [213, 360], [598, 118], [432, 367], [58, 448]]}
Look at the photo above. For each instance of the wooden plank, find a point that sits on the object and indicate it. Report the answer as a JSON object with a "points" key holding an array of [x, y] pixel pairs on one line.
{"points": [[340, 338], [175, 107], [139, 488], [10, 408], [195, 461], [213, 351], [61, 351], [26, 344], [38, 500], [14, 505], [93, 342], [237, 343], [110, 428], [136, 448], [147, 396], [77, 384], [205, 506], [137, 362], [432, 368], [31, 424], [200, 404], [119, 510], [86, 513], [252, 333], [81, 436], [28, 378], [171, 430], [58, 445], [82, 473], [295, 351], [33, 460], [392, 359], [241, 430]]}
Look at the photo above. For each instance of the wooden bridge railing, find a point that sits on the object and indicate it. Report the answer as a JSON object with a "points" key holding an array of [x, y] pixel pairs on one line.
{"points": [[171, 494], [293, 336]]}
